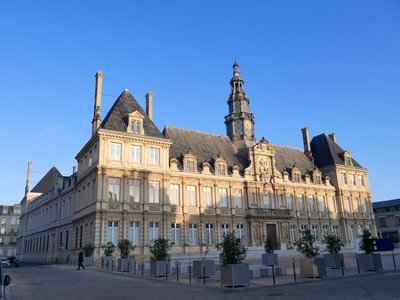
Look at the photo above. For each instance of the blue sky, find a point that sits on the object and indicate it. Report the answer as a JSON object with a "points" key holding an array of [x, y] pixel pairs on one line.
{"points": [[333, 66]]}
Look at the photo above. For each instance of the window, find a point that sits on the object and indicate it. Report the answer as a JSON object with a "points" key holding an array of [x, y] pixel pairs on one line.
{"points": [[113, 189], [335, 229], [224, 230], [311, 203], [364, 205], [191, 195], [344, 178], [189, 166], [136, 154], [154, 156], [398, 220], [3, 221], [193, 234], [293, 233], [237, 198], [382, 222], [134, 190], [154, 231], [296, 177], [331, 204], [81, 236], [315, 232], [154, 192], [303, 227], [240, 232], [300, 201], [321, 203], [221, 169], [175, 233], [5, 210], [356, 206], [112, 232], [352, 179], [223, 199], [282, 201], [361, 180], [210, 234], [136, 126], [325, 230], [207, 196], [115, 151], [174, 194], [134, 232], [61, 239], [289, 200], [266, 200], [66, 240], [347, 204], [317, 179]]}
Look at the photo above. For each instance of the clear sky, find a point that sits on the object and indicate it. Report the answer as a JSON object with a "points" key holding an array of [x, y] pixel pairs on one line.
{"points": [[333, 66]]}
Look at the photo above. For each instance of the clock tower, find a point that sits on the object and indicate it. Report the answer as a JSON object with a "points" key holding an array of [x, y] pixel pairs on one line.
{"points": [[240, 121]]}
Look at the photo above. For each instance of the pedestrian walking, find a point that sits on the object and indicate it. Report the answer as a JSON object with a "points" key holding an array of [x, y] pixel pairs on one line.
{"points": [[80, 261]]}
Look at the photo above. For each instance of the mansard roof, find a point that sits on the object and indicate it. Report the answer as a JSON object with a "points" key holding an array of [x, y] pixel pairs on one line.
{"points": [[118, 116], [387, 203], [287, 157], [205, 147], [326, 152], [47, 182]]}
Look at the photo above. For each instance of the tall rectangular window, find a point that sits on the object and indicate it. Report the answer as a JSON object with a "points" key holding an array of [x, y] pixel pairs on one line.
{"points": [[325, 230], [315, 232], [344, 178], [266, 200], [207, 196], [66, 239], [113, 189], [364, 205], [81, 236], [311, 203], [289, 200], [134, 190], [210, 234], [240, 232], [115, 151], [136, 154], [193, 234], [174, 194], [155, 156], [191, 195], [237, 198], [154, 192], [136, 126], [335, 229], [331, 204], [154, 231], [189, 166], [224, 230], [300, 202], [223, 198], [352, 179], [321, 203], [293, 233], [134, 232], [361, 180], [221, 170], [175, 233], [113, 232], [303, 227]]}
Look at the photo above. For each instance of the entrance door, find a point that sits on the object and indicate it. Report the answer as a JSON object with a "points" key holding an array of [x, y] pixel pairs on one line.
{"points": [[271, 232]]}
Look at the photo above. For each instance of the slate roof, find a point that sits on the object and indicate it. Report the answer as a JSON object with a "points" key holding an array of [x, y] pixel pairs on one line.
{"points": [[326, 152], [117, 117], [387, 203], [205, 147], [286, 157], [47, 182]]}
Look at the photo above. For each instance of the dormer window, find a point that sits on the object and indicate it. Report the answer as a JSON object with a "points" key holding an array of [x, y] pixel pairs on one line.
{"points": [[189, 166], [190, 162], [135, 124], [221, 170], [347, 158], [296, 177], [220, 166]]}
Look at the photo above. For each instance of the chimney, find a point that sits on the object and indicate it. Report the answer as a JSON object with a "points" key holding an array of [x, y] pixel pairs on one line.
{"points": [[28, 178], [149, 105], [97, 102], [73, 169], [332, 136], [306, 142]]}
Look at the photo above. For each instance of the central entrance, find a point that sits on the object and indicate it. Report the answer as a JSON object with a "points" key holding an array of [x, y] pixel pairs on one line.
{"points": [[271, 232]]}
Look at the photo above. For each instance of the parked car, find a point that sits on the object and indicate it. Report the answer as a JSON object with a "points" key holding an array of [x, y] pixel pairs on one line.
{"points": [[5, 263]]}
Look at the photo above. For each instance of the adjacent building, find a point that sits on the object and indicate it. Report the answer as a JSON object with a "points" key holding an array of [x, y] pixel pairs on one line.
{"points": [[137, 182], [9, 218], [387, 216]]}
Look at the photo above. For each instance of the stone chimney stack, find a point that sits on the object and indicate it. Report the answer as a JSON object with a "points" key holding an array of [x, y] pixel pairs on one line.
{"points": [[306, 142], [332, 136], [97, 102], [149, 105], [28, 178]]}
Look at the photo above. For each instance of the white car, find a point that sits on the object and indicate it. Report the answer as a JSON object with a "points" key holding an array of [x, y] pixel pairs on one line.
{"points": [[5, 263]]}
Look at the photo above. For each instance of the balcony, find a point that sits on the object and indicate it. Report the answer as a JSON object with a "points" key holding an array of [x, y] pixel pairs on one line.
{"points": [[270, 214]]}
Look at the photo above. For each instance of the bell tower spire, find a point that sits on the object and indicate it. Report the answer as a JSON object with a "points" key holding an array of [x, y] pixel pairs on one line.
{"points": [[240, 121]]}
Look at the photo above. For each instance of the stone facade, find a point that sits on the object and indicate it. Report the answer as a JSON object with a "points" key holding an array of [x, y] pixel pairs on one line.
{"points": [[192, 187], [387, 216], [9, 224]]}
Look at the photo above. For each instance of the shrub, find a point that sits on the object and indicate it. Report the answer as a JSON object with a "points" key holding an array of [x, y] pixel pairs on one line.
{"points": [[269, 245], [367, 244], [88, 250], [305, 245], [334, 244], [108, 248], [232, 250], [159, 249], [125, 247]]}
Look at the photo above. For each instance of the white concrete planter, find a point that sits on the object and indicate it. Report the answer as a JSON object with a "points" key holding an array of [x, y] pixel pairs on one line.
{"points": [[312, 267], [369, 262], [158, 268], [333, 260], [203, 268], [88, 260], [235, 275], [126, 264], [107, 262], [269, 259]]}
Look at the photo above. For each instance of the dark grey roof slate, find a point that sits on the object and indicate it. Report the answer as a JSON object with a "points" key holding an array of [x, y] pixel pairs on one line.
{"points": [[118, 116], [286, 157], [47, 182], [326, 152], [387, 203], [205, 146]]}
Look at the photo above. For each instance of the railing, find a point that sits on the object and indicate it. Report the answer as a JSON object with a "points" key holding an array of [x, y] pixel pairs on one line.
{"points": [[269, 213]]}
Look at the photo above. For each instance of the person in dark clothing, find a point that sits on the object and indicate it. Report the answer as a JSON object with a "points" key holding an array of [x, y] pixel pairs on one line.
{"points": [[80, 261]]}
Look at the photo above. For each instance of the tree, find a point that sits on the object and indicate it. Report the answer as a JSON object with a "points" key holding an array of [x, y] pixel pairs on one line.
{"points": [[269, 245], [232, 250], [367, 244], [88, 249], [333, 244], [125, 247], [305, 245], [108, 248], [159, 249]]}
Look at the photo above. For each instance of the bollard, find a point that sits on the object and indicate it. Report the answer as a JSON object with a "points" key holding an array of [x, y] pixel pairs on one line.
{"points": [[358, 267], [273, 273], [142, 267], [190, 272], [204, 273], [166, 270], [294, 271], [394, 261], [342, 263], [177, 272], [134, 267]]}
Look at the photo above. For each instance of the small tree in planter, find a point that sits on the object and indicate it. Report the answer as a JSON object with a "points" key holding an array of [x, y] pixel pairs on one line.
{"points": [[125, 247], [233, 252], [88, 250], [108, 249], [333, 246], [203, 268], [311, 266], [269, 258], [368, 260], [159, 256]]}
